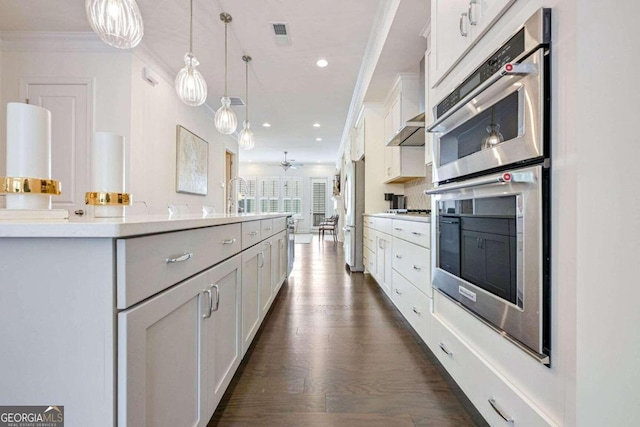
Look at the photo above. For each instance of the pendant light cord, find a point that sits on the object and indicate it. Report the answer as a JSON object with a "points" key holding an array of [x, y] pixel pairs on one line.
{"points": [[225, 59], [191, 27], [246, 87]]}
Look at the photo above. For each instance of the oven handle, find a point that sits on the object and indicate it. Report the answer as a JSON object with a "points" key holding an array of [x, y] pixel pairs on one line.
{"points": [[508, 69], [507, 177]]}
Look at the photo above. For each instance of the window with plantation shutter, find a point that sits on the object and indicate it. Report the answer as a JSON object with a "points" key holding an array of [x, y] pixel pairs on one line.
{"points": [[292, 194], [318, 200], [248, 204], [268, 194]]}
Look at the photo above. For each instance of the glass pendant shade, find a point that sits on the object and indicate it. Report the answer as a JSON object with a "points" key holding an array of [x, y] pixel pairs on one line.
{"points": [[225, 119], [190, 84], [246, 141], [117, 22]]}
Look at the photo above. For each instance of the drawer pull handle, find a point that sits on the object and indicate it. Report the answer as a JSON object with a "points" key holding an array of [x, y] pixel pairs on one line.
{"points": [[398, 229], [181, 258], [416, 311], [229, 242], [398, 292], [398, 256], [415, 267], [415, 233], [217, 298], [500, 412], [210, 301], [447, 352], [253, 233], [268, 228]]}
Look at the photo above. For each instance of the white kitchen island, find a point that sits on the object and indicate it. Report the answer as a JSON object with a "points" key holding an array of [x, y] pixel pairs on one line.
{"points": [[133, 321]]}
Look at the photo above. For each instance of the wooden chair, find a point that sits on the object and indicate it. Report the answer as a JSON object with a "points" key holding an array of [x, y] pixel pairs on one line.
{"points": [[330, 225]]}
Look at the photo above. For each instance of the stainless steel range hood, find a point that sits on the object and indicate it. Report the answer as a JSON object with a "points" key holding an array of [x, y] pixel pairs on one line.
{"points": [[411, 134]]}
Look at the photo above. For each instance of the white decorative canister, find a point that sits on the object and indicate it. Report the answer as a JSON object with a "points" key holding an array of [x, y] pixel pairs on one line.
{"points": [[107, 176]]}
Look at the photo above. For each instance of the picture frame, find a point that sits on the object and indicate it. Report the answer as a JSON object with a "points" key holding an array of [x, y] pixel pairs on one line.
{"points": [[192, 162]]}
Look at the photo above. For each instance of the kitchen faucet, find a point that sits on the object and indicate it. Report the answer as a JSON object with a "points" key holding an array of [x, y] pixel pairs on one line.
{"points": [[230, 199]]}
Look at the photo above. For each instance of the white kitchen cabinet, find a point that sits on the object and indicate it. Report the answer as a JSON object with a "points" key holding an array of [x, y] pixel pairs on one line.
{"points": [[278, 262], [357, 141], [428, 114], [457, 26], [403, 164], [252, 260], [402, 104], [159, 358], [222, 338], [383, 261], [266, 277]]}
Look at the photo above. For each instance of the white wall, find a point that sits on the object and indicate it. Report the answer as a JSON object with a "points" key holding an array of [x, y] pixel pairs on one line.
{"points": [[127, 105], [306, 172]]}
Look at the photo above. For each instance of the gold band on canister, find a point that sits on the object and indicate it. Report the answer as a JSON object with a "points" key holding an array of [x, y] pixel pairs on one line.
{"points": [[22, 185], [99, 198]]}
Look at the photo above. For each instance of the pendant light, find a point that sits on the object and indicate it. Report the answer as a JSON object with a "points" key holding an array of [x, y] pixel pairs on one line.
{"points": [[495, 137], [190, 85], [246, 140], [117, 22], [225, 119]]}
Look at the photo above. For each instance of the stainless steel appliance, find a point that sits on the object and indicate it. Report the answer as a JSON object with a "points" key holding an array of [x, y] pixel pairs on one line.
{"points": [[493, 195], [354, 208], [495, 117]]}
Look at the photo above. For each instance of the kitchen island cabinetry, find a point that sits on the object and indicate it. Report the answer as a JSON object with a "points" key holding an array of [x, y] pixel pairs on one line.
{"points": [[156, 302]]}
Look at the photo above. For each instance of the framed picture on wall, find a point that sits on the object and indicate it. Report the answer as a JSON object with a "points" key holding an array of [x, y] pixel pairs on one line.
{"points": [[192, 161]]}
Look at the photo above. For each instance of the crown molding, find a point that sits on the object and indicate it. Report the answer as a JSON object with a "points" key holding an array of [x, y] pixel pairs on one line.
{"points": [[379, 32], [47, 41]]}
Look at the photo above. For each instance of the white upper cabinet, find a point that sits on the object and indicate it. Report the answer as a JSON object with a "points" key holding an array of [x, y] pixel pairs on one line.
{"points": [[457, 25], [402, 104]]}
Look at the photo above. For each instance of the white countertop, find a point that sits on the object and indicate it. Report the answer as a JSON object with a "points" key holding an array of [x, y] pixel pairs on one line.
{"points": [[121, 227], [402, 217]]}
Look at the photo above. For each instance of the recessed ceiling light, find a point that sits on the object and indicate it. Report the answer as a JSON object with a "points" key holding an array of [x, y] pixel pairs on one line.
{"points": [[250, 161], [322, 63], [267, 125], [319, 161], [316, 125], [318, 139]]}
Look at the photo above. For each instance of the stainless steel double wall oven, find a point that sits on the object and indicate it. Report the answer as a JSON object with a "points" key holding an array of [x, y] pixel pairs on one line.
{"points": [[492, 171]]}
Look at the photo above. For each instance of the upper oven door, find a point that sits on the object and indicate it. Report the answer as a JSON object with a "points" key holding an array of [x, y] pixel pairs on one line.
{"points": [[497, 124]]}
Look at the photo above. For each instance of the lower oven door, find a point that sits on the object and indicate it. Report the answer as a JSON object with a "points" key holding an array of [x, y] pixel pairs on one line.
{"points": [[491, 252]]}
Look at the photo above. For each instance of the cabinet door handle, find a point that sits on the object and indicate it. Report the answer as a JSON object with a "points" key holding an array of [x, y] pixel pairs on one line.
{"points": [[267, 243], [398, 256], [415, 233], [447, 352], [463, 33], [217, 298], [415, 267], [260, 256], [210, 301], [398, 292], [472, 20], [500, 412], [253, 233], [229, 242], [416, 311], [181, 258]]}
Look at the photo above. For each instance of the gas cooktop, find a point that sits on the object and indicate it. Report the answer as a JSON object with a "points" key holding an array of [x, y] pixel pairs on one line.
{"points": [[409, 211]]}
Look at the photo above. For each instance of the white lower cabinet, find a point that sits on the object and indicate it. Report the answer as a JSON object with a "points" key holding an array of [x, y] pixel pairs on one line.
{"points": [[414, 306], [266, 278], [499, 402], [252, 260], [177, 347], [280, 261]]}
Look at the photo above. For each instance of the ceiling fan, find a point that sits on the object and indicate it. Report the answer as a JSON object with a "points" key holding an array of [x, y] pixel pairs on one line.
{"points": [[286, 164]]}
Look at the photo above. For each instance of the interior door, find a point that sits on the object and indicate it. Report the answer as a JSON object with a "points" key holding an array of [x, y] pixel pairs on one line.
{"points": [[71, 129]]}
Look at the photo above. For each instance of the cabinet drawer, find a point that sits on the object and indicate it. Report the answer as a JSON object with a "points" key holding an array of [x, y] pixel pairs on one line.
{"points": [[279, 224], [413, 304], [147, 265], [368, 238], [414, 263], [251, 233], [482, 383], [368, 221], [266, 228], [414, 232], [384, 225]]}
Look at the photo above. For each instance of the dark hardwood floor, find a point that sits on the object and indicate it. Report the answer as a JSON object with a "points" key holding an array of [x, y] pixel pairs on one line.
{"points": [[334, 351]]}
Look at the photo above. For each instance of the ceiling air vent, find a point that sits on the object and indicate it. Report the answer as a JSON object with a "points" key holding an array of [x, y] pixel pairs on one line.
{"points": [[236, 101], [281, 31]]}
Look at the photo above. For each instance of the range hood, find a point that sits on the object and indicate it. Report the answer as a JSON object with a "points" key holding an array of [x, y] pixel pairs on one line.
{"points": [[411, 134]]}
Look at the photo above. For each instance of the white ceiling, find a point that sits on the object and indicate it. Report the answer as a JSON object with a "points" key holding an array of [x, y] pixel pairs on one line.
{"points": [[286, 88]]}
